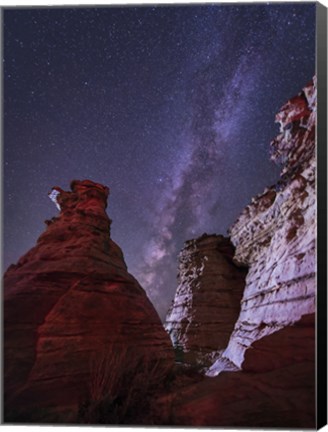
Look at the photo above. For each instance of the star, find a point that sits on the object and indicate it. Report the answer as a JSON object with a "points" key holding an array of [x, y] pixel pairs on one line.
{"points": [[171, 107]]}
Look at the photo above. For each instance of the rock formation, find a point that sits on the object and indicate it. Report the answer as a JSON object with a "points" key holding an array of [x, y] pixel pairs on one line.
{"points": [[207, 301], [68, 303], [275, 236]]}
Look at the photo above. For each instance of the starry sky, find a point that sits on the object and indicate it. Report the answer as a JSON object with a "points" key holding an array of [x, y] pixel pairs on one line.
{"points": [[172, 107]]}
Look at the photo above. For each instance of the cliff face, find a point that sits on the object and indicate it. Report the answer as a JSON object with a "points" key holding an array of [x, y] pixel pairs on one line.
{"points": [[207, 301], [275, 236], [68, 303], [265, 376]]}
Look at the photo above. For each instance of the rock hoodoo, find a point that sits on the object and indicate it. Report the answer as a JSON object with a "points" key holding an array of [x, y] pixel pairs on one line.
{"points": [[207, 301], [68, 302]]}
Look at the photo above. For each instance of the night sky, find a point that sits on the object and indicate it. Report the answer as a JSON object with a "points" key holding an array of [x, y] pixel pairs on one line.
{"points": [[171, 107]]}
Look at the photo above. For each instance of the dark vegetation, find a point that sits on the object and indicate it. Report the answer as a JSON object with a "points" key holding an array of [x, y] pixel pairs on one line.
{"points": [[122, 389], [132, 391]]}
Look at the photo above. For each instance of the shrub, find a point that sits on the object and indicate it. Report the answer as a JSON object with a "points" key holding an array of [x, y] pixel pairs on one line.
{"points": [[122, 386]]}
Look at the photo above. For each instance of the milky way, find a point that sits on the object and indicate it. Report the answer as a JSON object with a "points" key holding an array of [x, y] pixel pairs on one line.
{"points": [[172, 107]]}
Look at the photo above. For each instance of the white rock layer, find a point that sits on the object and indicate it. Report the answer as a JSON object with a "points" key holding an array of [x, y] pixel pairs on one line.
{"points": [[275, 236]]}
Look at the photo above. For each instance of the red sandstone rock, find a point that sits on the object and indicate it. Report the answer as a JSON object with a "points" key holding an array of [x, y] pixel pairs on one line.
{"points": [[289, 346], [67, 302]]}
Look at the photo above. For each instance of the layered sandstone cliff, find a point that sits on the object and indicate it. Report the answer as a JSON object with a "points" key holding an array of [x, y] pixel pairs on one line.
{"points": [[207, 301], [275, 236], [69, 303]]}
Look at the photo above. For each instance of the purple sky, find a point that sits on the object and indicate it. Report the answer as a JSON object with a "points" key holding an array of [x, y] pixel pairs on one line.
{"points": [[171, 107]]}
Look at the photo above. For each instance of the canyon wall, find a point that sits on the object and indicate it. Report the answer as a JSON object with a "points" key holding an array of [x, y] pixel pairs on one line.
{"points": [[69, 303]]}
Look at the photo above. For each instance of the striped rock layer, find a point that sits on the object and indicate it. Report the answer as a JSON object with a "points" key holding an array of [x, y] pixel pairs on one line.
{"points": [[207, 301]]}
